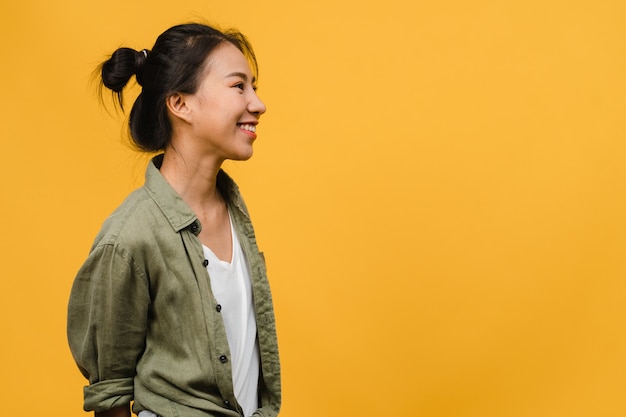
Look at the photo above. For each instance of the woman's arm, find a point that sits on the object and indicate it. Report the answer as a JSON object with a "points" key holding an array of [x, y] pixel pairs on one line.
{"points": [[121, 411], [106, 325]]}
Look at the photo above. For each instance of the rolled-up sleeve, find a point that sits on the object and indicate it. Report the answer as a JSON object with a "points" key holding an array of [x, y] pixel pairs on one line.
{"points": [[106, 324]]}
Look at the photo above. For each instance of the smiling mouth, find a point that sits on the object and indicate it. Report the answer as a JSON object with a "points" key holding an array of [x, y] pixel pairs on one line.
{"points": [[249, 128]]}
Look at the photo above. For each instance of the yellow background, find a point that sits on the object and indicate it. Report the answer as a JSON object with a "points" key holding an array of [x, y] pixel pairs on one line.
{"points": [[439, 187]]}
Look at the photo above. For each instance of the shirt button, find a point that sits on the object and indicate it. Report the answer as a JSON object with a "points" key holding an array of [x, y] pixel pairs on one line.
{"points": [[205, 262], [194, 227], [223, 359], [226, 402], [218, 308]]}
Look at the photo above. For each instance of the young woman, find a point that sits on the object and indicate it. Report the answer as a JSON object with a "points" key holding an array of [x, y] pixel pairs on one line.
{"points": [[172, 309]]}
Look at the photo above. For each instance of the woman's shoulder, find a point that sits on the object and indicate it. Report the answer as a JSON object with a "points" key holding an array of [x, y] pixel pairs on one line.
{"points": [[130, 220]]}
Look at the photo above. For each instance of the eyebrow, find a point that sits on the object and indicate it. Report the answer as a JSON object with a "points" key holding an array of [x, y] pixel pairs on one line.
{"points": [[240, 75]]}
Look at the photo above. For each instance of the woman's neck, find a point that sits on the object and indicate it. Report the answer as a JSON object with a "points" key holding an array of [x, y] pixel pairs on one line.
{"points": [[194, 179]]}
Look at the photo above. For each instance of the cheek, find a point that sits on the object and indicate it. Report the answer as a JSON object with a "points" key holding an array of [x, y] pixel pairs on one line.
{"points": [[221, 108]]}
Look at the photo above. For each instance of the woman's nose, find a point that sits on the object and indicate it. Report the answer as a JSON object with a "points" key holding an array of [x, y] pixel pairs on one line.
{"points": [[256, 106]]}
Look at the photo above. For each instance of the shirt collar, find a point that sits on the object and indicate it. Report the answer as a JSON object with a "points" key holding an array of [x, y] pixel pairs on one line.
{"points": [[175, 210]]}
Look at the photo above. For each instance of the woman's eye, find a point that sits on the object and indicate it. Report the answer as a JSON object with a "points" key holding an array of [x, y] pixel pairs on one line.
{"points": [[239, 86]]}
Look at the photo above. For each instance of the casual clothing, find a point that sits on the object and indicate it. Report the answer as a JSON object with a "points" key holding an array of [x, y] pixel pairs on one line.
{"points": [[143, 323], [231, 286]]}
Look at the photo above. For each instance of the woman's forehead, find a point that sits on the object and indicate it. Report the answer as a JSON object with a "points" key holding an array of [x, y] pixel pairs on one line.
{"points": [[227, 60]]}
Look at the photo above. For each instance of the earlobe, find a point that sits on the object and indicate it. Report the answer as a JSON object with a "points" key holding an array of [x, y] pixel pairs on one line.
{"points": [[177, 106]]}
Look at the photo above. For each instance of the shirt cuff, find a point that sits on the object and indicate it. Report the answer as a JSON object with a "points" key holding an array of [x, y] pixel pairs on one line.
{"points": [[105, 395]]}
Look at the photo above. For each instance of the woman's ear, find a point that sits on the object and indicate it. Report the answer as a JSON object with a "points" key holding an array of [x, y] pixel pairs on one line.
{"points": [[178, 107]]}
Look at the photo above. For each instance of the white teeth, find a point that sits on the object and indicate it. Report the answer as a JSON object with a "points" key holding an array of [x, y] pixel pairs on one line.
{"points": [[250, 128]]}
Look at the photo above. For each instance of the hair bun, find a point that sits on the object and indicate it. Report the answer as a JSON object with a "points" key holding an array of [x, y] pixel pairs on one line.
{"points": [[121, 66]]}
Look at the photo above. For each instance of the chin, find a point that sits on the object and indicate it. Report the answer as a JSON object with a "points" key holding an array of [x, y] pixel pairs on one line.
{"points": [[243, 156]]}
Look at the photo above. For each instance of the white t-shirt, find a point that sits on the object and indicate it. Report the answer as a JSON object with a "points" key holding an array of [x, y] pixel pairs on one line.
{"points": [[232, 288]]}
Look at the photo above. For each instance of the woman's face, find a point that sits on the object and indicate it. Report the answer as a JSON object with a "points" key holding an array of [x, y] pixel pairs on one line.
{"points": [[225, 110]]}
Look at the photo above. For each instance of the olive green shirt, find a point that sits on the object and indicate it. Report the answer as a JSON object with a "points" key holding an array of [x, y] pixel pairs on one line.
{"points": [[143, 324]]}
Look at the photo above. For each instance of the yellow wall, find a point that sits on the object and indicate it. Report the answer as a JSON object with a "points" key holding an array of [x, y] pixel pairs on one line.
{"points": [[439, 187]]}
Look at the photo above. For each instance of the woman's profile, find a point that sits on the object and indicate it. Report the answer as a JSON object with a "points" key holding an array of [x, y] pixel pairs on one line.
{"points": [[172, 310]]}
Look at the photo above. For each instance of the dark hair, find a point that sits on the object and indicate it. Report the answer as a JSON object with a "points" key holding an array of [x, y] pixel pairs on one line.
{"points": [[174, 65]]}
